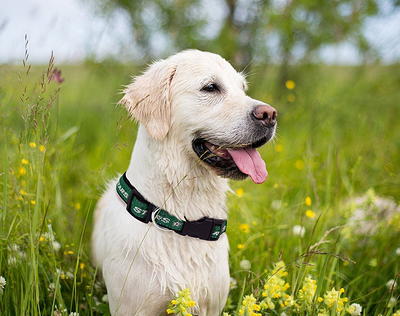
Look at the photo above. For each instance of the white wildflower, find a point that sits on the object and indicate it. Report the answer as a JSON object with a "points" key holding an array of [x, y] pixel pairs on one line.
{"points": [[105, 298], [73, 314], [3, 283], [397, 251], [245, 264], [13, 248], [56, 245], [370, 213], [50, 236], [298, 230], [11, 260], [391, 284], [276, 204], [392, 302], [354, 309], [51, 287], [233, 283], [15, 252]]}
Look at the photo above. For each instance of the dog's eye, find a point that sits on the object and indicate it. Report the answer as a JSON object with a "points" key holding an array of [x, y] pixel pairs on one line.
{"points": [[211, 87]]}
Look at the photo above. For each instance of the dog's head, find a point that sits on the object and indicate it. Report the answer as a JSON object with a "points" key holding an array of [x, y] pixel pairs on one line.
{"points": [[199, 99]]}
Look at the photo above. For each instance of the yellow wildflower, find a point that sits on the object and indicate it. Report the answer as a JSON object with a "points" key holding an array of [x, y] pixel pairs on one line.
{"points": [[278, 148], [280, 269], [275, 286], [42, 238], [288, 301], [22, 192], [241, 246], [77, 206], [33, 202], [397, 313], [81, 266], [307, 292], [21, 171], [275, 289], [323, 312], [181, 303], [290, 84], [310, 213], [291, 98], [299, 164], [245, 228], [249, 306], [239, 192], [332, 298], [308, 201], [25, 161], [32, 145], [42, 148]]}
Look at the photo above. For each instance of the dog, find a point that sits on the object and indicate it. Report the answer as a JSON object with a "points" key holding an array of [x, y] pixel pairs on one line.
{"points": [[197, 129]]}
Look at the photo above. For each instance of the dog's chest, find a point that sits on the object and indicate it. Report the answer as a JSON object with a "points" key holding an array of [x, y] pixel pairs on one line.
{"points": [[179, 262]]}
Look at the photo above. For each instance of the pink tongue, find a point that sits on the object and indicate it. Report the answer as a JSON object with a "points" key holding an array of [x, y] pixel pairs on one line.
{"points": [[250, 162]]}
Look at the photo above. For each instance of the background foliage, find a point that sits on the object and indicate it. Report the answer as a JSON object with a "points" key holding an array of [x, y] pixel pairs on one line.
{"points": [[338, 139]]}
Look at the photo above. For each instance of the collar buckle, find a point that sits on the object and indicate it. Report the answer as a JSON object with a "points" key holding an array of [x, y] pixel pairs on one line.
{"points": [[204, 228]]}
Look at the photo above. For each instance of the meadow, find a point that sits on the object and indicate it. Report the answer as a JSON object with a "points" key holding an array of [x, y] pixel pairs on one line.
{"points": [[320, 235]]}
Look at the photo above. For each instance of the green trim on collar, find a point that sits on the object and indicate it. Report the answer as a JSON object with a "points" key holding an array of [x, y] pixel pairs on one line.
{"points": [[205, 228]]}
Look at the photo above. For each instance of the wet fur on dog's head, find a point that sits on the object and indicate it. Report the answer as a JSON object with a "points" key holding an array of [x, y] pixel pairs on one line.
{"points": [[199, 99]]}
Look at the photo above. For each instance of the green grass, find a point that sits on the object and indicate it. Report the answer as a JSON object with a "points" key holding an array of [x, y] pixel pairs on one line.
{"points": [[338, 137]]}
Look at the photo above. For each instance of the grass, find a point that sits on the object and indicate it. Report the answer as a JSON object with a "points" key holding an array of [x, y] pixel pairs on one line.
{"points": [[338, 139]]}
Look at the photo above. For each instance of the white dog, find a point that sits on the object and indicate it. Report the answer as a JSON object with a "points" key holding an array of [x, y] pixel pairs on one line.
{"points": [[197, 128]]}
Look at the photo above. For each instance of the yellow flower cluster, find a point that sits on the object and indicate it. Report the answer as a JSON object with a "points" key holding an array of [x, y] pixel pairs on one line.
{"points": [[275, 288], [181, 304], [245, 228], [276, 299], [332, 298], [307, 292], [249, 306], [397, 313]]}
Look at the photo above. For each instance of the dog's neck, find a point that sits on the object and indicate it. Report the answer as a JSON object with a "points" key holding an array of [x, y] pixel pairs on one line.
{"points": [[173, 179]]}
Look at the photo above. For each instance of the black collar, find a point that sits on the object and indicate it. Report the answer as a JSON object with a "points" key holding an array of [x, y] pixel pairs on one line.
{"points": [[205, 228]]}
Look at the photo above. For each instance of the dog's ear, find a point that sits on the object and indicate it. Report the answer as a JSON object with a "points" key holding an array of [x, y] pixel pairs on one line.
{"points": [[148, 98]]}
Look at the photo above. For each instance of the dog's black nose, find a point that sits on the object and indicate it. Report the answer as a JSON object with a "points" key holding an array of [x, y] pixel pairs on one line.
{"points": [[265, 114]]}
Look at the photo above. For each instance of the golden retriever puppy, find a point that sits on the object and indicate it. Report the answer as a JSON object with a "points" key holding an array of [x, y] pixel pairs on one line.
{"points": [[160, 227]]}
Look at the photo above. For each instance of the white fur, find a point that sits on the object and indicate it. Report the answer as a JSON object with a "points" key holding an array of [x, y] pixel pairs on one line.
{"points": [[144, 266]]}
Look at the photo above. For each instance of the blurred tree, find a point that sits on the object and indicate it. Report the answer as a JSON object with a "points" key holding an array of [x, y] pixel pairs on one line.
{"points": [[285, 31], [304, 26]]}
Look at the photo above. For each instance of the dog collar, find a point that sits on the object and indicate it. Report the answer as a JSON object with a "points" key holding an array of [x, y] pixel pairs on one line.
{"points": [[205, 228]]}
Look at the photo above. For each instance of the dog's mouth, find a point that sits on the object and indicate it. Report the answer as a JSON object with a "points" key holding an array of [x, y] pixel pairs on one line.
{"points": [[236, 162]]}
